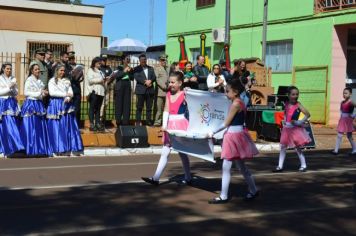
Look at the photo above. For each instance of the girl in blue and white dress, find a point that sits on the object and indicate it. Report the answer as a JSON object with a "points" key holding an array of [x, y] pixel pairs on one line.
{"points": [[64, 133], [10, 140], [33, 129]]}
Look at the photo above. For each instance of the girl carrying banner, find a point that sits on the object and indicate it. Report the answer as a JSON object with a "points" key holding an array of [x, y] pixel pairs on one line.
{"points": [[173, 119], [237, 144]]}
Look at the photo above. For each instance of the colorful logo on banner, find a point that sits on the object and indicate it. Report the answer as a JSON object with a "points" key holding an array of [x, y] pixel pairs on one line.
{"points": [[206, 115]]}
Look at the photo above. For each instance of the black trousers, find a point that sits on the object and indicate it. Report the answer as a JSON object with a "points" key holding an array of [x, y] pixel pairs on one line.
{"points": [[95, 102], [77, 99], [141, 100], [122, 101]]}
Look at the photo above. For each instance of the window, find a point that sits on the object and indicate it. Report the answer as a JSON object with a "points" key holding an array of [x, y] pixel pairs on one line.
{"points": [[205, 3], [279, 55], [194, 52], [57, 48]]}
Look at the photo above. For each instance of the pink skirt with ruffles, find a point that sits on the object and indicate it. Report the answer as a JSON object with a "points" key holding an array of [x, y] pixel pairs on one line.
{"points": [[175, 122], [294, 137], [345, 125], [238, 146]]}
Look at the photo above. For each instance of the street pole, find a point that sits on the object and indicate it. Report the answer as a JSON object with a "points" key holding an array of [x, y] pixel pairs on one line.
{"points": [[227, 23], [264, 31]]}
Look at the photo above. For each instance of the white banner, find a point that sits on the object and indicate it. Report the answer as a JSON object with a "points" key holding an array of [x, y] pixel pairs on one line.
{"points": [[207, 111]]}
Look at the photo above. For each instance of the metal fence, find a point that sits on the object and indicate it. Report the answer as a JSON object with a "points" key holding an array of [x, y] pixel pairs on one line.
{"points": [[20, 64]]}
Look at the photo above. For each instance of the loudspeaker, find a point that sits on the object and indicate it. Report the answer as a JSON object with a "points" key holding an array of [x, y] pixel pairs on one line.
{"points": [[309, 129], [131, 136]]}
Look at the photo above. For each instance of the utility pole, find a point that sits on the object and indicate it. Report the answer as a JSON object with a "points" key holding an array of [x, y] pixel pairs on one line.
{"points": [[264, 31], [150, 36], [227, 23]]}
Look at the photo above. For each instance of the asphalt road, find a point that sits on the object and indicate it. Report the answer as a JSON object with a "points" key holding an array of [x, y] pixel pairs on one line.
{"points": [[105, 196]]}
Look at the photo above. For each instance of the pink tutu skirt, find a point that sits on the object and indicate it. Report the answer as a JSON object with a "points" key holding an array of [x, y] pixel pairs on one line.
{"points": [[175, 122], [238, 146], [294, 137], [345, 125]]}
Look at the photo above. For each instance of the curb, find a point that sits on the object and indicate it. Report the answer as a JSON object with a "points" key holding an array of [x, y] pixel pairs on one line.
{"points": [[157, 150]]}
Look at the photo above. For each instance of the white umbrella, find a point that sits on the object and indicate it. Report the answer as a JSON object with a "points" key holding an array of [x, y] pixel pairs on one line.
{"points": [[127, 45]]}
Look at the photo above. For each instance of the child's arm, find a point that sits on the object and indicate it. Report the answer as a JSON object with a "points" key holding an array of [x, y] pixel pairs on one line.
{"points": [[306, 115], [235, 107], [165, 115]]}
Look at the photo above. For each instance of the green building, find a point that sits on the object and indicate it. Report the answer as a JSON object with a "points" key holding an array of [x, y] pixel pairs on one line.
{"points": [[310, 43]]}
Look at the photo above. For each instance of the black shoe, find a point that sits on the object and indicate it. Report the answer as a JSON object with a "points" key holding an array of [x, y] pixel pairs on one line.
{"points": [[251, 196], [334, 153], [218, 200], [277, 170], [185, 182], [302, 169], [149, 123], [92, 127], [352, 154], [150, 181], [101, 128]]}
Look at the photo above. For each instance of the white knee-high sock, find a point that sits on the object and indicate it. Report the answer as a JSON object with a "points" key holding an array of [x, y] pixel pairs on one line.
{"points": [[225, 181], [301, 156], [352, 142], [247, 175], [162, 162], [186, 166], [338, 142], [282, 156]]}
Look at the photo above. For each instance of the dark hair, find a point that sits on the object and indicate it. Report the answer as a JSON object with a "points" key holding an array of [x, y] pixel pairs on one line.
{"points": [[178, 74], [290, 88], [49, 50], [348, 89], [94, 61], [188, 62], [31, 69], [4, 66], [142, 56], [172, 68], [236, 85], [63, 53], [199, 56]]}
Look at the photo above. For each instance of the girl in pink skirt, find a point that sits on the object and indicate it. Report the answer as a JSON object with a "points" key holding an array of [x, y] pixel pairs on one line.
{"points": [[237, 144], [173, 119], [345, 123], [293, 133]]}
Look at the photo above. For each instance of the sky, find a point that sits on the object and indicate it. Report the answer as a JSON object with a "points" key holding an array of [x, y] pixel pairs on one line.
{"points": [[130, 18]]}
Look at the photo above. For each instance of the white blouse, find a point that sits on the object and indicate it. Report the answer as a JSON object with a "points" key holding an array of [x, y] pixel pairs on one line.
{"points": [[94, 83], [33, 88], [211, 82], [60, 89], [6, 90]]}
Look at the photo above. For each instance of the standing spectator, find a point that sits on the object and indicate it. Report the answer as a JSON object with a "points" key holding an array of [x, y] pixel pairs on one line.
{"points": [[201, 72], [71, 59], [64, 134], [39, 60], [9, 111], [123, 92], [107, 72], [161, 88], [49, 62], [145, 77], [33, 129], [190, 80], [174, 67], [95, 92], [224, 71], [216, 81]]}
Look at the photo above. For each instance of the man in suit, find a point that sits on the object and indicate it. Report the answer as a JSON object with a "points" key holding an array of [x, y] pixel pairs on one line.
{"points": [[161, 72], [145, 78], [201, 72]]}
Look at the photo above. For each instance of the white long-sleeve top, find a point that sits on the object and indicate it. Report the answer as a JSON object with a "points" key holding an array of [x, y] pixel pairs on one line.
{"points": [[6, 90], [210, 81], [94, 83], [60, 89], [33, 88]]}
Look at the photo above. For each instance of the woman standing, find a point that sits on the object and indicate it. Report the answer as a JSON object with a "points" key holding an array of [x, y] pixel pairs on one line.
{"points": [[33, 130], [64, 134], [190, 80], [95, 93], [9, 110], [216, 81]]}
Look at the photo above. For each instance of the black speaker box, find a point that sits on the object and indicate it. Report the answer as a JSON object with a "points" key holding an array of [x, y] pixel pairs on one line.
{"points": [[131, 137]]}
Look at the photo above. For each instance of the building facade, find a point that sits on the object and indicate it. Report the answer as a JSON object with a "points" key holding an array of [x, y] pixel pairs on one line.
{"points": [[310, 43]]}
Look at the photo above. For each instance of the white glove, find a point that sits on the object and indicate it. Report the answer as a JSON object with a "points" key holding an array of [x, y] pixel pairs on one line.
{"points": [[165, 120]]}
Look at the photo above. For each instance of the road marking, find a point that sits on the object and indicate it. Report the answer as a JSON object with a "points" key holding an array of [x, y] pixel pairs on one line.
{"points": [[191, 219], [340, 170]]}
